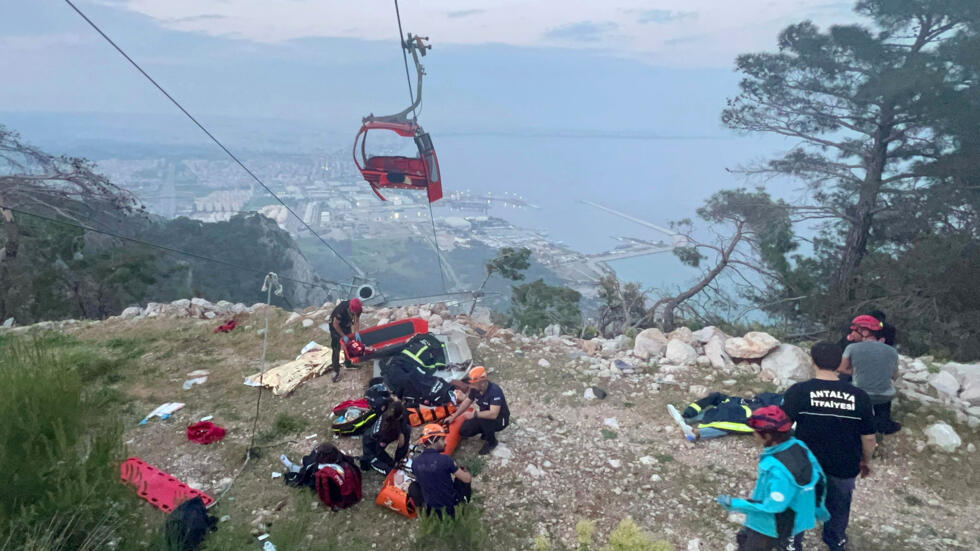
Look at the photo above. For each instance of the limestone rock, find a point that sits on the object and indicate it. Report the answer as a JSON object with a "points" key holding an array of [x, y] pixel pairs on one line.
{"points": [[481, 314], [943, 437], [916, 376], [128, 313], [945, 383], [682, 334], [544, 363], [308, 322], [680, 353], [714, 349], [611, 346], [708, 333], [650, 343], [755, 344], [788, 363], [293, 318], [203, 303], [552, 330]]}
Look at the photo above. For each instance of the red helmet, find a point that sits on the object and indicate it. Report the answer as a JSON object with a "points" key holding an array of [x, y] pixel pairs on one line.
{"points": [[867, 322], [355, 305], [770, 418]]}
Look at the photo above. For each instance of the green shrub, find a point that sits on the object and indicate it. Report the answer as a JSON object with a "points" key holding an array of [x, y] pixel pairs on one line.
{"points": [[59, 452], [445, 533], [628, 537]]}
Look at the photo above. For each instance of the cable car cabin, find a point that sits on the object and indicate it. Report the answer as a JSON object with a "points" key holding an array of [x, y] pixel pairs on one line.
{"points": [[397, 172]]}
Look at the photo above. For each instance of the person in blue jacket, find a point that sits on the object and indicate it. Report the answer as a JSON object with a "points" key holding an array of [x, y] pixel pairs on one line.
{"points": [[789, 493]]}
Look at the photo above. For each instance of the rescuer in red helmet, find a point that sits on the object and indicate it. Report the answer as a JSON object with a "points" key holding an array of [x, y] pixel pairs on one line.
{"points": [[873, 365], [344, 320]]}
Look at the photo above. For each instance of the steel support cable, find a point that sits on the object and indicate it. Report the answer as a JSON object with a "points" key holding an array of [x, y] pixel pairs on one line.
{"points": [[213, 138], [401, 42]]}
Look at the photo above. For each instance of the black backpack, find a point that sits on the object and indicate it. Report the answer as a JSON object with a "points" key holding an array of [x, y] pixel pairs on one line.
{"points": [[412, 386], [187, 525]]}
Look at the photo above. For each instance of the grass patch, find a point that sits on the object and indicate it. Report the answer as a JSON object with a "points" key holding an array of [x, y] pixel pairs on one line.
{"points": [[664, 458], [475, 465], [608, 434], [289, 424], [444, 533]]}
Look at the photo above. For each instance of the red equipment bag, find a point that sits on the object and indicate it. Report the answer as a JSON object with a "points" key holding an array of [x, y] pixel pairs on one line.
{"points": [[360, 403], [336, 490]]}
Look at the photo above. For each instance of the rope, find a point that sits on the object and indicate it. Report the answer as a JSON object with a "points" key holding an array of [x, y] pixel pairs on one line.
{"points": [[435, 242], [401, 40], [214, 139], [271, 285]]}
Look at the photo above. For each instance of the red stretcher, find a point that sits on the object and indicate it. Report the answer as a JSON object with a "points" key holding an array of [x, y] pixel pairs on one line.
{"points": [[384, 339], [160, 489]]}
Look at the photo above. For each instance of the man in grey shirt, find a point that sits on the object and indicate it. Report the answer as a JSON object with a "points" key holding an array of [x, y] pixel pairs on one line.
{"points": [[874, 366]]}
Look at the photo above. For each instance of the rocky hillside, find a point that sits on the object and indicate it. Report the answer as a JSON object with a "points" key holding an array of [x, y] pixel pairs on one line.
{"points": [[590, 438]]}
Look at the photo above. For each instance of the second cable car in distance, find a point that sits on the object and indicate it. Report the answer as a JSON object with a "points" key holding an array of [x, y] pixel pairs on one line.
{"points": [[419, 172]]}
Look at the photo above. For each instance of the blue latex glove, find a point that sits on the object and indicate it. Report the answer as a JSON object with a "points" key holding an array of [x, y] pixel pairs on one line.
{"points": [[357, 336], [346, 339], [724, 501]]}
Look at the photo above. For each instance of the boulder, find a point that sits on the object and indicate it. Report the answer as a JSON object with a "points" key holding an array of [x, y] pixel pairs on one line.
{"points": [[435, 320], [971, 391], [705, 334], [755, 344], [203, 303], [682, 334], [552, 330], [962, 372], [544, 363], [943, 437], [621, 342], [680, 353], [650, 343], [714, 349], [945, 383], [916, 376], [788, 363], [308, 322], [129, 313], [238, 308], [481, 314], [589, 347], [181, 303], [293, 318]]}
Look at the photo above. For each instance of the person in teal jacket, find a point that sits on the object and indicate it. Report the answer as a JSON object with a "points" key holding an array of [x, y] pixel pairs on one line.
{"points": [[789, 493]]}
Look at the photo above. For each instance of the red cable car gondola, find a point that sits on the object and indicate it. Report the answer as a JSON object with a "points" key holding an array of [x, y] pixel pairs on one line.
{"points": [[399, 172]]}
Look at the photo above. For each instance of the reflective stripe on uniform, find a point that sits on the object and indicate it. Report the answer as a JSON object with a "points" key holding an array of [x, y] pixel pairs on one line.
{"points": [[727, 425]]}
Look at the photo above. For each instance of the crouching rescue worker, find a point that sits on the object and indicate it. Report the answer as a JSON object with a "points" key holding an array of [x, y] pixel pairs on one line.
{"points": [[491, 416], [391, 427], [789, 493], [344, 320], [442, 482]]}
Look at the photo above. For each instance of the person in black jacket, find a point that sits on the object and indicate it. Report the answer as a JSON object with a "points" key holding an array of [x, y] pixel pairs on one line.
{"points": [[344, 320], [391, 427]]}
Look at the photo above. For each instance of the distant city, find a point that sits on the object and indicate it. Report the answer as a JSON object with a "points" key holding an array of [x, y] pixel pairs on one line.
{"points": [[329, 194]]}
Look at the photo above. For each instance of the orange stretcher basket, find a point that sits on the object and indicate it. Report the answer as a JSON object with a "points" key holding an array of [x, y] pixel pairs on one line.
{"points": [[393, 497]]}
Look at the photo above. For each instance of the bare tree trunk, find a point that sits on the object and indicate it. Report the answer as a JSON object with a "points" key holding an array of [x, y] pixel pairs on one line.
{"points": [[856, 242], [670, 304]]}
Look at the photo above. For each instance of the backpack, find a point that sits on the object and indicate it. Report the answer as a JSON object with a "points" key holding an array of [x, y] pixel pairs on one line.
{"points": [[353, 420], [336, 490], [413, 386], [188, 524], [426, 351]]}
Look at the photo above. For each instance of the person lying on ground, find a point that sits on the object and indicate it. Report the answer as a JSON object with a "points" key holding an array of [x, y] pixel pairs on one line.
{"points": [[719, 414], [442, 482], [836, 421], [874, 366], [788, 498], [390, 427], [344, 320], [491, 415]]}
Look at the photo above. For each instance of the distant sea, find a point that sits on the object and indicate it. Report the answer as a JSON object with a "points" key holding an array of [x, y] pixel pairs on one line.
{"points": [[657, 179]]}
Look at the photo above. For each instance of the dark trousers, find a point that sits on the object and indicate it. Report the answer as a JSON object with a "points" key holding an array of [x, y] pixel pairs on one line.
{"points": [[839, 491], [883, 418], [750, 540], [373, 456], [486, 428], [335, 350], [464, 491]]}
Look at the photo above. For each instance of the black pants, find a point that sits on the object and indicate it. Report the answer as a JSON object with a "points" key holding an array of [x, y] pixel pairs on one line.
{"points": [[373, 456], [750, 540], [486, 428], [464, 491], [335, 350], [883, 418]]}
